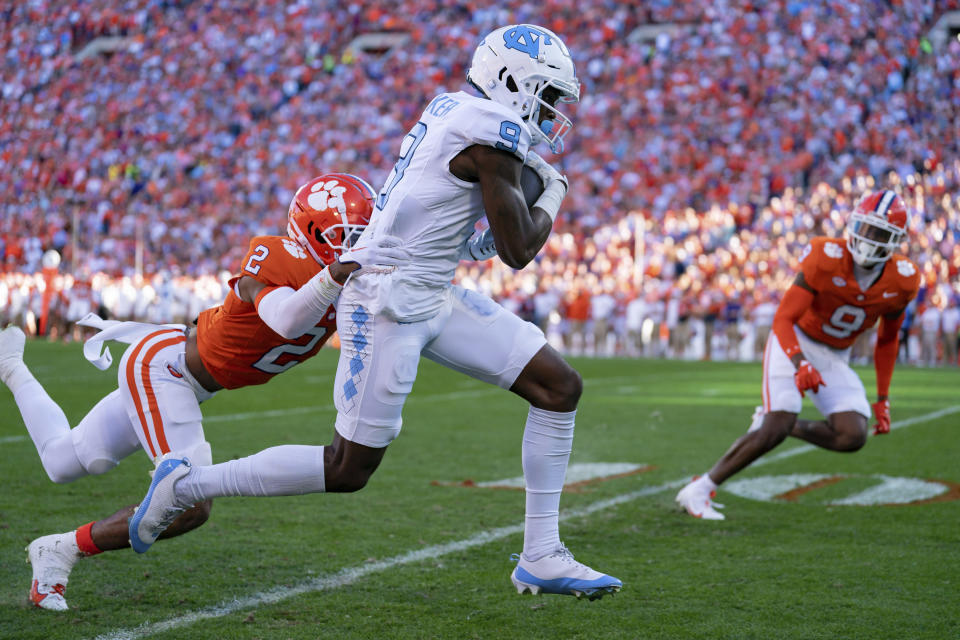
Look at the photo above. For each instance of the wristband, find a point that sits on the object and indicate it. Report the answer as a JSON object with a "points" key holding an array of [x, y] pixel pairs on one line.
{"points": [[551, 198], [324, 288]]}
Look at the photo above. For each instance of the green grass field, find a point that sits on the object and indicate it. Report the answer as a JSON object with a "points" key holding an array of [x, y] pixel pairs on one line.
{"points": [[415, 556]]}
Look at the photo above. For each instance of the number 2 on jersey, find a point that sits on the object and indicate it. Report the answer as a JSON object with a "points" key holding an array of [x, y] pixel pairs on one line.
{"points": [[268, 362], [259, 254], [845, 320], [410, 143]]}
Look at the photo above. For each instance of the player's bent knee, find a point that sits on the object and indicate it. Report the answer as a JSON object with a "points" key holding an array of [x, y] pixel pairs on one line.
{"points": [[61, 461], [776, 427], [572, 386], [61, 476], [98, 466], [852, 440], [347, 483], [560, 394], [851, 430]]}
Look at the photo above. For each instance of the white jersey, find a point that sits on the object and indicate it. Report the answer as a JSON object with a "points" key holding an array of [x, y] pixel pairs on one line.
{"points": [[432, 211]]}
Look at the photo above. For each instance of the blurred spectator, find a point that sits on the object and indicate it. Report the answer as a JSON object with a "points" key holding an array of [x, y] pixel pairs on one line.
{"points": [[762, 316], [950, 327], [930, 332], [578, 312], [602, 305], [634, 316], [731, 324]]}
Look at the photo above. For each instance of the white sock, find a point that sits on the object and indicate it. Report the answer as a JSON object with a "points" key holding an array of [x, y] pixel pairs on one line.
{"points": [[66, 552], [17, 376], [547, 443], [287, 470], [49, 430]]}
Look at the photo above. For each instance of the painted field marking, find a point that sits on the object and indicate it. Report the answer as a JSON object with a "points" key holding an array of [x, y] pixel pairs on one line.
{"points": [[349, 575], [579, 474], [888, 490]]}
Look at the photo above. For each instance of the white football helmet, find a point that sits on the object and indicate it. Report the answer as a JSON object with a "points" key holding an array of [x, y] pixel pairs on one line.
{"points": [[516, 66]]}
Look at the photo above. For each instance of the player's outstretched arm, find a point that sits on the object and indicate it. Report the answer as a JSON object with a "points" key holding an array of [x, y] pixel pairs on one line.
{"points": [[291, 312], [518, 232], [884, 358]]}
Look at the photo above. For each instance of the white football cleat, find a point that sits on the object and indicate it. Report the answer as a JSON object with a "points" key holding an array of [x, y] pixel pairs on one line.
{"points": [[52, 558], [697, 500], [757, 420], [12, 340], [559, 573], [159, 508]]}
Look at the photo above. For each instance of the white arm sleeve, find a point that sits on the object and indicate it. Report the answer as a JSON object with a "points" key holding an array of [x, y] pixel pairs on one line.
{"points": [[291, 312]]}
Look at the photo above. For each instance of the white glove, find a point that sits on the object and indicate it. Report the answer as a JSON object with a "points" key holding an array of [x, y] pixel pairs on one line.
{"points": [[386, 251], [479, 246], [554, 185]]}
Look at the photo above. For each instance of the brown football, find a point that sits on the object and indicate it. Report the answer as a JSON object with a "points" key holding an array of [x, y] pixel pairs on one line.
{"points": [[531, 185]]}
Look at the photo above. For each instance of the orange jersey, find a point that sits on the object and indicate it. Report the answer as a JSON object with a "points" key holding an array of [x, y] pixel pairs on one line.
{"points": [[840, 310], [236, 346]]}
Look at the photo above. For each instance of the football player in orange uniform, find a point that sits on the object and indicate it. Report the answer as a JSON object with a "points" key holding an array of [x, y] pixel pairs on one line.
{"points": [[842, 289], [278, 313]]}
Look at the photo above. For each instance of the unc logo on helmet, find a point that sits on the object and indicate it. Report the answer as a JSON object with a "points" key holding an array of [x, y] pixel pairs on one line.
{"points": [[525, 38], [529, 70]]}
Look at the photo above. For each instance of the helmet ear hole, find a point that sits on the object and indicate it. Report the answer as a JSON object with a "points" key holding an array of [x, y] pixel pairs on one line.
{"points": [[512, 85]]}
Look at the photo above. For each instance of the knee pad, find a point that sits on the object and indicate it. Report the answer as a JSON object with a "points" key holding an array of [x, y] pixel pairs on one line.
{"points": [[93, 456], [61, 462], [199, 454]]}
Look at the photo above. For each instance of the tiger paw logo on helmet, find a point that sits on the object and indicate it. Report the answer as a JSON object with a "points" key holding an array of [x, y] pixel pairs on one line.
{"points": [[328, 195]]}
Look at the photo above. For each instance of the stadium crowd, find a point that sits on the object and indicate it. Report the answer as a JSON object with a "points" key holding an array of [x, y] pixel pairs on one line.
{"points": [[701, 160]]}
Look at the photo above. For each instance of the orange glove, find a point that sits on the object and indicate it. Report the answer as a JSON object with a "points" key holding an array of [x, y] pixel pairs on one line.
{"points": [[881, 410], [807, 378]]}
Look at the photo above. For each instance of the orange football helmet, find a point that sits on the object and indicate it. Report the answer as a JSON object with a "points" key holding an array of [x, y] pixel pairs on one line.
{"points": [[329, 213], [877, 226]]}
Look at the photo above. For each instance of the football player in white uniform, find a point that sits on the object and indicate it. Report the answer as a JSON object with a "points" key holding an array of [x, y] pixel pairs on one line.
{"points": [[462, 160]]}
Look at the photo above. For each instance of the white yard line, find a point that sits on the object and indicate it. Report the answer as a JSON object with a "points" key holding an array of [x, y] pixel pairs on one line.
{"points": [[349, 575]]}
